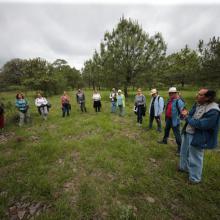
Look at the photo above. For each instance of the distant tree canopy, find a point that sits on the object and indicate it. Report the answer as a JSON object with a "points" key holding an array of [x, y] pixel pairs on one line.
{"points": [[127, 57], [38, 74]]}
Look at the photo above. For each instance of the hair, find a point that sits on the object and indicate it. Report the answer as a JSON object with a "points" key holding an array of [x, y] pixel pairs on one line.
{"points": [[211, 94], [17, 95]]}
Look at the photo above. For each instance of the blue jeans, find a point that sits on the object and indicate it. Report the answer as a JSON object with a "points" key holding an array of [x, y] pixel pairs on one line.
{"points": [[65, 109], [113, 107], [191, 158], [176, 131]]}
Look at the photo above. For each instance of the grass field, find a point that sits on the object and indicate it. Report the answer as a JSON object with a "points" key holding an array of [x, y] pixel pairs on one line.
{"points": [[99, 166]]}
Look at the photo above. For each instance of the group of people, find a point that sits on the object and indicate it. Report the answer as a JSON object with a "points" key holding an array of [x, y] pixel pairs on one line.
{"points": [[200, 131]]}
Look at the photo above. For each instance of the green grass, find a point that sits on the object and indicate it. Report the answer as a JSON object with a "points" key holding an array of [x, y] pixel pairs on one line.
{"points": [[101, 166]]}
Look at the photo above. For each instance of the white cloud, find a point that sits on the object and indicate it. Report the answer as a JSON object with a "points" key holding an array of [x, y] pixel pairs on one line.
{"points": [[73, 31]]}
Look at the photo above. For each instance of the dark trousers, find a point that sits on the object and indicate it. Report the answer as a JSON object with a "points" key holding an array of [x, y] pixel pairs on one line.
{"points": [[140, 114], [66, 110], [83, 107], [176, 131], [158, 120], [97, 106]]}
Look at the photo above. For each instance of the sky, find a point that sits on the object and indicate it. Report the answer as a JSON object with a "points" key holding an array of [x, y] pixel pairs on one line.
{"points": [[72, 30]]}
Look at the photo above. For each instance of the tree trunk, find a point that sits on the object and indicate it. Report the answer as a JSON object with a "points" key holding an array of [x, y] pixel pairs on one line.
{"points": [[126, 91]]}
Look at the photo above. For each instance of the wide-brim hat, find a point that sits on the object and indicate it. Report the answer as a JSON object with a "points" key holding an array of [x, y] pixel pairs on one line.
{"points": [[172, 90]]}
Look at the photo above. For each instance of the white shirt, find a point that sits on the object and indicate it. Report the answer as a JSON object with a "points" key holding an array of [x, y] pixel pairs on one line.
{"points": [[96, 97], [40, 101]]}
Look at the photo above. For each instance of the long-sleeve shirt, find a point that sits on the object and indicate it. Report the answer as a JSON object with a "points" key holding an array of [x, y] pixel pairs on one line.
{"points": [[40, 101], [80, 97], [96, 97], [21, 104], [140, 100], [65, 99]]}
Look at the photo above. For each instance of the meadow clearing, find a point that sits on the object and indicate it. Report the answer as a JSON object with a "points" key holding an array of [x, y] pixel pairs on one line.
{"points": [[99, 166]]}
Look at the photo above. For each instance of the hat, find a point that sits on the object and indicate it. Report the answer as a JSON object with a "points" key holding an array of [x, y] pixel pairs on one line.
{"points": [[119, 91], [172, 90], [153, 91]]}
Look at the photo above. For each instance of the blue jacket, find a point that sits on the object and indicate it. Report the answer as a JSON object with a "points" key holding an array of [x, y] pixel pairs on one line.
{"points": [[158, 105], [206, 128], [177, 106]]}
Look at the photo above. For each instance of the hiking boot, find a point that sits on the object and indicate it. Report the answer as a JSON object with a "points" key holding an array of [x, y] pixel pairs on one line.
{"points": [[162, 142]]}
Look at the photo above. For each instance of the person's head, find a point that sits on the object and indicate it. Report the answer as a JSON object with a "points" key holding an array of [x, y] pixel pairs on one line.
{"points": [[173, 92], [139, 92], [79, 90], [205, 96], [39, 95], [119, 92], [95, 91], [153, 92], [19, 96], [64, 93], [113, 89]]}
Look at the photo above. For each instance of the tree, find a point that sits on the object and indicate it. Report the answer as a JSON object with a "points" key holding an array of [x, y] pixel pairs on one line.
{"points": [[210, 62], [128, 52]]}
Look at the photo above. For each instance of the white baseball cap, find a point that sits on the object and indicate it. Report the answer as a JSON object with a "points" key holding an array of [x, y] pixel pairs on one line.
{"points": [[153, 91], [119, 91], [172, 90]]}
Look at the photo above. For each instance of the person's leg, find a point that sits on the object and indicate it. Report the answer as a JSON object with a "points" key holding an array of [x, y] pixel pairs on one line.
{"points": [[45, 112], [167, 130], [151, 119], [176, 131], [196, 156], [68, 110], [81, 107], [27, 117], [138, 114], [63, 111], [21, 118], [158, 120], [184, 152]]}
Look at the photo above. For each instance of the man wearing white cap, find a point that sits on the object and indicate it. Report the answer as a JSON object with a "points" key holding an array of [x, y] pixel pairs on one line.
{"points": [[121, 102], [174, 107], [156, 109]]}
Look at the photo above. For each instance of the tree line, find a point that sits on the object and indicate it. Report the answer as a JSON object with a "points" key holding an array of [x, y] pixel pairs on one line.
{"points": [[127, 57]]}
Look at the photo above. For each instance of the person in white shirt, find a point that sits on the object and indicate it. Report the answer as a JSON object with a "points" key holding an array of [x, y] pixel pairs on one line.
{"points": [[96, 101], [42, 105]]}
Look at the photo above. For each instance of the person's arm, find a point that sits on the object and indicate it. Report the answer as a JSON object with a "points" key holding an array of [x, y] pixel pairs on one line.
{"points": [[144, 101], [161, 105], [204, 123]]}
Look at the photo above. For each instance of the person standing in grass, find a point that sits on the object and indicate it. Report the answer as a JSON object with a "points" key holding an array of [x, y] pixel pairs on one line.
{"points": [[120, 103], [65, 102], [42, 105], [156, 109], [80, 99], [173, 111], [22, 106], [2, 118], [140, 104], [199, 133], [96, 100], [113, 99]]}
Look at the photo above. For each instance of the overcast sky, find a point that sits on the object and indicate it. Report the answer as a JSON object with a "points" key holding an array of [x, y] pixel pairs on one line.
{"points": [[72, 31]]}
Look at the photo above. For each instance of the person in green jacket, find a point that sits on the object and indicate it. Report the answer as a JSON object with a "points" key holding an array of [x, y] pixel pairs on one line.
{"points": [[120, 102]]}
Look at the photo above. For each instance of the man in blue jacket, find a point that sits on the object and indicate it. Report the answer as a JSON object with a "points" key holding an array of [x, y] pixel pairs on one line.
{"points": [[174, 107], [200, 132]]}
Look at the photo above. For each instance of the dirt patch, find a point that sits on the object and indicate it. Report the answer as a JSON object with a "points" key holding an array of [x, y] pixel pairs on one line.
{"points": [[6, 136], [25, 209]]}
